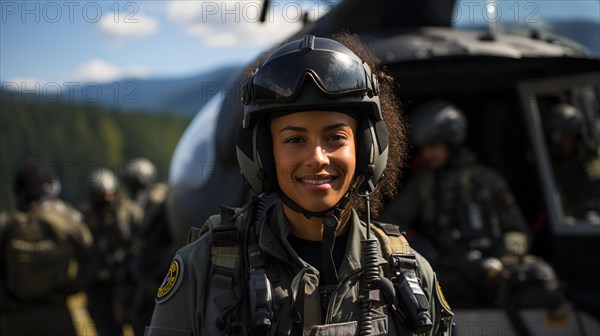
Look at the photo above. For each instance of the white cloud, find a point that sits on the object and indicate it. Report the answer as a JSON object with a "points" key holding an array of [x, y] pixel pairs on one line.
{"points": [[97, 70], [236, 23], [136, 26]]}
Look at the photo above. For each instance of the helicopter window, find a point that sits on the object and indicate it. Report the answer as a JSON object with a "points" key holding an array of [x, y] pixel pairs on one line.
{"points": [[564, 120]]}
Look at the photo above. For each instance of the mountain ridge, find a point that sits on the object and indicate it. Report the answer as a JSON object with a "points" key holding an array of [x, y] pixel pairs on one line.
{"points": [[182, 96]]}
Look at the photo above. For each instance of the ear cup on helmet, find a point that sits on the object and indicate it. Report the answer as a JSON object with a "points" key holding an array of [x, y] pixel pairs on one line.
{"points": [[264, 146], [364, 146], [371, 155], [248, 159], [382, 136]]}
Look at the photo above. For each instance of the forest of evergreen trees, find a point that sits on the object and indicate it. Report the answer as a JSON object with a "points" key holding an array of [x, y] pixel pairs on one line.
{"points": [[75, 139]]}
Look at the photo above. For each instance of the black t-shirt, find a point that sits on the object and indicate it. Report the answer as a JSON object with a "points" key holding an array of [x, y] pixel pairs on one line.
{"points": [[310, 250]]}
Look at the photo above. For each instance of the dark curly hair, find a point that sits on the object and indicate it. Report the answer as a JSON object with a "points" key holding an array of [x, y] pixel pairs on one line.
{"points": [[392, 114], [394, 119]]}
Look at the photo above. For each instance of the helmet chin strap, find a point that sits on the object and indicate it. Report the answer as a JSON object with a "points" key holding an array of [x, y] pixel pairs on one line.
{"points": [[331, 219], [335, 211], [330, 222]]}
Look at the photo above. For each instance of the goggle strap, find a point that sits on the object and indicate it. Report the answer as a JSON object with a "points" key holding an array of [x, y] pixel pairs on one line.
{"points": [[371, 81]]}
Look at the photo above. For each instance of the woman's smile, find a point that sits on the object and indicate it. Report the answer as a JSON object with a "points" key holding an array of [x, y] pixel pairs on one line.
{"points": [[318, 182]]}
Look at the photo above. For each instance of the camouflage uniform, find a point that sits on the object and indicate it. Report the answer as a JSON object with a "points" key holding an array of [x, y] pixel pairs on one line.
{"points": [[113, 227], [153, 246], [57, 266]]}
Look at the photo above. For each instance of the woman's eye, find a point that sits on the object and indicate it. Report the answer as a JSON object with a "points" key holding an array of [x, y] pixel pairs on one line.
{"points": [[293, 140], [337, 137]]}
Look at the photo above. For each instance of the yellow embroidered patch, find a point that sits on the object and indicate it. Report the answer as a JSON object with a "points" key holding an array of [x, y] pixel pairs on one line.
{"points": [[441, 297], [172, 280]]}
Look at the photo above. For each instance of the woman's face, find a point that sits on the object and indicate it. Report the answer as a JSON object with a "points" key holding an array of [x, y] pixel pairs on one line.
{"points": [[315, 157]]}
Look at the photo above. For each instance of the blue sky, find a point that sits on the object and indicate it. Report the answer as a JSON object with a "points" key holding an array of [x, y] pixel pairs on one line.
{"points": [[64, 41], [61, 41]]}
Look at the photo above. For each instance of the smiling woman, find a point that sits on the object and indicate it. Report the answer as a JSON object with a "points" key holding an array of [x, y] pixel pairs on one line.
{"points": [[297, 259], [315, 159]]}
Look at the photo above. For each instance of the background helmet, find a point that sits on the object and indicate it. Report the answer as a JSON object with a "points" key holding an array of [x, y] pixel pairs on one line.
{"points": [[101, 182], [138, 174], [305, 75], [566, 121], [33, 182], [438, 121]]}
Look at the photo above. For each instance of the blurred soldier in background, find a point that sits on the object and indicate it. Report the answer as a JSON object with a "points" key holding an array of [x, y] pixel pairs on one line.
{"points": [[45, 254], [466, 221], [139, 177], [154, 248], [576, 163], [113, 220]]}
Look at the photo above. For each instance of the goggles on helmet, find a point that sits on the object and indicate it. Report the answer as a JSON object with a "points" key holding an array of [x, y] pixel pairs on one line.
{"points": [[335, 73]]}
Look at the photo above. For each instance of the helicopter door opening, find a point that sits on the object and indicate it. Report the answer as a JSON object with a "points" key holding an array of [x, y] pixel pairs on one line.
{"points": [[563, 117]]}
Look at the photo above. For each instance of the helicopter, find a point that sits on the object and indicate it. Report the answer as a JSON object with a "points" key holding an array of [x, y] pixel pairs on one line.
{"points": [[504, 80]]}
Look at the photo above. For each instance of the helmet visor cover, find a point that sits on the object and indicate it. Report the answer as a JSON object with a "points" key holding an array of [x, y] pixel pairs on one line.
{"points": [[334, 72]]}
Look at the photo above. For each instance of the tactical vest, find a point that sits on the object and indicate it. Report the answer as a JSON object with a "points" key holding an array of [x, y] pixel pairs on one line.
{"points": [[228, 230], [459, 212], [113, 229], [39, 255]]}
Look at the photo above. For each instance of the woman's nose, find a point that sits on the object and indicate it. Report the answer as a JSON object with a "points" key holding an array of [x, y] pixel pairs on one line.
{"points": [[317, 157]]}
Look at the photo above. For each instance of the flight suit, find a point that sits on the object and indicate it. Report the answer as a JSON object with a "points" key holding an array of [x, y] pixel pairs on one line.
{"points": [[69, 244], [110, 294], [154, 250], [578, 181], [462, 215], [183, 308]]}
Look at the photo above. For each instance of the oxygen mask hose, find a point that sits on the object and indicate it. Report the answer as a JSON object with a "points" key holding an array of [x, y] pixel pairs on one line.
{"points": [[330, 222], [370, 276]]}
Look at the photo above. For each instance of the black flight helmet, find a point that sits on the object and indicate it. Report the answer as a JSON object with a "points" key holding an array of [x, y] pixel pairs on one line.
{"points": [[102, 182], [138, 174], [438, 121], [566, 121], [34, 182]]}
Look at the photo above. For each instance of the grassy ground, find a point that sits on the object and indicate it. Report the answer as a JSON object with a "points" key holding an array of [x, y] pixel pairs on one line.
{"points": [[83, 323]]}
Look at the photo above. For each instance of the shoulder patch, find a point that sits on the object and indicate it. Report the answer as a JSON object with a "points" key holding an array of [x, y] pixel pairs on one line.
{"points": [[172, 280], [441, 298]]}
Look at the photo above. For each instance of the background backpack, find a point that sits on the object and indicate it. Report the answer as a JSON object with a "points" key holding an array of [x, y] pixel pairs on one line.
{"points": [[38, 255]]}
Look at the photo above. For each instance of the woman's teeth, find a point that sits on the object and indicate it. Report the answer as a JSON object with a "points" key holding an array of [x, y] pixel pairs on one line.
{"points": [[318, 181]]}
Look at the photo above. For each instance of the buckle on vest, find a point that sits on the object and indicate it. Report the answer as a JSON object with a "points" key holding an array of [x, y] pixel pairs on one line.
{"points": [[325, 294], [403, 262], [225, 236]]}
